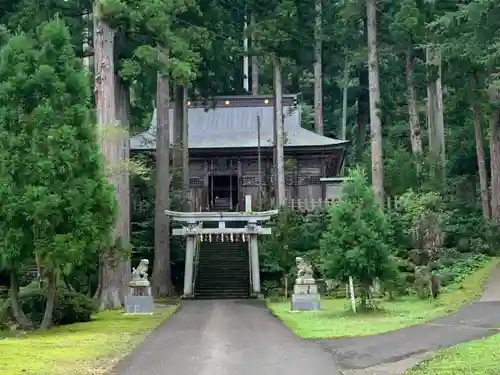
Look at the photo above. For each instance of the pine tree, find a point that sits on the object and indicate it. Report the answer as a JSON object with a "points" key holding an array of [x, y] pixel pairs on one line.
{"points": [[55, 201], [356, 241]]}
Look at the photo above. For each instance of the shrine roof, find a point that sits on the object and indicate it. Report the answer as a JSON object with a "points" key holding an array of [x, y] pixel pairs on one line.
{"points": [[231, 122]]}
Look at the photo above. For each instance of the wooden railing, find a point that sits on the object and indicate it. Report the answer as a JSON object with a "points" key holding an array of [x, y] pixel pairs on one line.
{"points": [[313, 204], [309, 204]]}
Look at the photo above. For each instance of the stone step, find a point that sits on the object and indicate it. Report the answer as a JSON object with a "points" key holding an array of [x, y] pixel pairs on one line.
{"points": [[223, 274], [216, 292], [228, 254], [226, 242], [223, 263], [226, 260], [223, 254], [220, 249], [209, 297], [222, 271], [216, 262], [226, 281]]}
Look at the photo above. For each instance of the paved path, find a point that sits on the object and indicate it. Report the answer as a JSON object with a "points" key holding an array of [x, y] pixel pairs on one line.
{"points": [[243, 338], [226, 338], [473, 322], [394, 352]]}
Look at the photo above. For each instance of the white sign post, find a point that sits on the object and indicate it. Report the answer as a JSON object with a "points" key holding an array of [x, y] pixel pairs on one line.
{"points": [[353, 298], [248, 203]]}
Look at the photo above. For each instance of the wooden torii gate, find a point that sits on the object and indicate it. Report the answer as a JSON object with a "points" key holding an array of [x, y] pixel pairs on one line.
{"points": [[192, 228]]}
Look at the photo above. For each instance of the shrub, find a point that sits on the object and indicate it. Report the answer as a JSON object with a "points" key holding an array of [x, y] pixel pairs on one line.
{"points": [[271, 288], [356, 242], [70, 307]]}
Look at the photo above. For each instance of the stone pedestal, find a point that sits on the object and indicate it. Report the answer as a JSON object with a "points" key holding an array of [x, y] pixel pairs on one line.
{"points": [[305, 297], [139, 300]]}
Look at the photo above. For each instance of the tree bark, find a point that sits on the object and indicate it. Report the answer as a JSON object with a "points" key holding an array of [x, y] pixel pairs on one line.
{"points": [[255, 75], [481, 160], [435, 116], [185, 141], [123, 190], [494, 124], [17, 309], [39, 271], [411, 100], [111, 146], [375, 120], [345, 89], [254, 62], [178, 150], [51, 298], [278, 129], [362, 115], [318, 70], [162, 283]]}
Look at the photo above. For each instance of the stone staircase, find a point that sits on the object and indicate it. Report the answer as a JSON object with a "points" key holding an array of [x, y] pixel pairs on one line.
{"points": [[221, 205], [223, 271]]}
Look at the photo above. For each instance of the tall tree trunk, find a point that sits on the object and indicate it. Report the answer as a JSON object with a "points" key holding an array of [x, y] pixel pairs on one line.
{"points": [[178, 150], [435, 116], [345, 89], [278, 129], [162, 283], [51, 298], [363, 114], [318, 69], [111, 146], [481, 160], [255, 75], [17, 309], [185, 140], [39, 271], [375, 120], [411, 100], [123, 194], [494, 124], [254, 62]]}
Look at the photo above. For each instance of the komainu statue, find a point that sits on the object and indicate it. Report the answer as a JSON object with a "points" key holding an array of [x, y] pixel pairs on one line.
{"points": [[304, 272], [141, 272]]}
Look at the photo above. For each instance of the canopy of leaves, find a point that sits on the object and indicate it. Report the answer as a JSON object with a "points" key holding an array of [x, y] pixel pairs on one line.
{"points": [[55, 200]]}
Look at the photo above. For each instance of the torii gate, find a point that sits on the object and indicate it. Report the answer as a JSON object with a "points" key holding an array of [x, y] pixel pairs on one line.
{"points": [[193, 227]]}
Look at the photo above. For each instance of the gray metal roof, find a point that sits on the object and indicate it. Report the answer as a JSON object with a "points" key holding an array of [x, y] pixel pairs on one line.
{"points": [[235, 127]]}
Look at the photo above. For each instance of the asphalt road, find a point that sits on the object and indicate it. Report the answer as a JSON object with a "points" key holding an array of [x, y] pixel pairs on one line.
{"points": [[376, 353], [243, 338], [226, 338]]}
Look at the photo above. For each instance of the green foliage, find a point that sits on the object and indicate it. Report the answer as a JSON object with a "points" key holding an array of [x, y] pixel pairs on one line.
{"points": [[454, 267], [293, 234], [356, 242], [204, 41], [414, 216], [70, 307], [55, 200], [278, 255]]}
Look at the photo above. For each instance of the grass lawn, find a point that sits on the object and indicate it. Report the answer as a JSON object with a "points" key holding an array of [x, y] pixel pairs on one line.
{"points": [[78, 349], [335, 319], [480, 357]]}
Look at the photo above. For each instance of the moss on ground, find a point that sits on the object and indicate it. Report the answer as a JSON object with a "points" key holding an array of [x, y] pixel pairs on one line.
{"points": [[335, 319], [79, 349], [480, 357]]}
